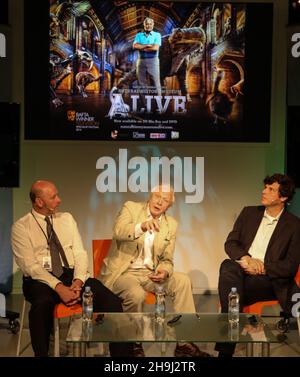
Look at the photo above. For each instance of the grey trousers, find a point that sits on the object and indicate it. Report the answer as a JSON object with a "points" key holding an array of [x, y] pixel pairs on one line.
{"points": [[148, 67]]}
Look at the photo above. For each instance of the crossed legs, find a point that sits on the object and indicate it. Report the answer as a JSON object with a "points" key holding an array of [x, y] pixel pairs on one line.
{"points": [[251, 288]]}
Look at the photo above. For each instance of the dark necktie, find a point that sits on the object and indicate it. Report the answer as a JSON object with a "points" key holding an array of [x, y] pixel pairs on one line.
{"points": [[55, 250]]}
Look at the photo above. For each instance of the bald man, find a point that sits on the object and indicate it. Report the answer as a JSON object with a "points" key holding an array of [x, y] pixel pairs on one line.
{"points": [[44, 283], [141, 256]]}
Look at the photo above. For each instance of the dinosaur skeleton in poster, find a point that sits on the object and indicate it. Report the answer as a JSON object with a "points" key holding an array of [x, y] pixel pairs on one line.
{"points": [[62, 59]]}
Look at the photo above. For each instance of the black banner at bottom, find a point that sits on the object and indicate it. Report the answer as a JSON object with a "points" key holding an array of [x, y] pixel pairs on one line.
{"points": [[146, 366]]}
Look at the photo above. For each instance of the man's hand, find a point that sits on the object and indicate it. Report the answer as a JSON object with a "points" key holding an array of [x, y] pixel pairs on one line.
{"points": [[67, 295], [76, 287], [252, 266], [158, 276], [150, 225]]}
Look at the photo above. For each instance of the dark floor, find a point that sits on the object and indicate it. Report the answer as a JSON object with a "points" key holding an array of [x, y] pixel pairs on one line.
{"points": [[289, 346]]}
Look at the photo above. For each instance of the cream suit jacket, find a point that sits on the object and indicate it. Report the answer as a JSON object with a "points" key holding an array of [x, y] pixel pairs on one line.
{"points": [[125, 247]]}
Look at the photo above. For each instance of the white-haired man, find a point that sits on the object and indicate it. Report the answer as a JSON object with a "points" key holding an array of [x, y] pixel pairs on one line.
{"points": [[141, 256]]}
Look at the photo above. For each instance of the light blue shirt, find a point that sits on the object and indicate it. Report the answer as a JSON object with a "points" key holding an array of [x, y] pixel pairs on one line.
{"points": [[152, 38]]}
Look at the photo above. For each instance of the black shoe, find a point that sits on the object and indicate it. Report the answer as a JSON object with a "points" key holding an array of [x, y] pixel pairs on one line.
{"points": [[138, 350]]}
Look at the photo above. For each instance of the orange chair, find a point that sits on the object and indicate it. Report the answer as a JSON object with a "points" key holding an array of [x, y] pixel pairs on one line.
{"points": [[258, 306], [297, 280], [297, 277], [150, 298], [62, 311], [100, 250]]}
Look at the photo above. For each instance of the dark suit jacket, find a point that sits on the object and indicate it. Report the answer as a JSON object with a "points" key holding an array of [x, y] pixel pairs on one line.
{"points": [[283, 253]]}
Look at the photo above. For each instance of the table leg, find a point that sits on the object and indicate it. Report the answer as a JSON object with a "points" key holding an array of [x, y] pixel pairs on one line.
{"points": [[249, 349], [76, 349], [163, 349], [265, 349], [83, 349]]}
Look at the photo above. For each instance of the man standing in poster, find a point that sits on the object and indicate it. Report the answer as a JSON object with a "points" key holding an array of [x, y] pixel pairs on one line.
{"points": [[147, 43]]}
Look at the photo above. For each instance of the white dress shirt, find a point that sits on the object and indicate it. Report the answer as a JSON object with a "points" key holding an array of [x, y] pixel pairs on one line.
{"points": [[145, 258], [30, 246], [264, 233]]}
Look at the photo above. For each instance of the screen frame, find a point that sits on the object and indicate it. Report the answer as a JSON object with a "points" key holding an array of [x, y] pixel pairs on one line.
{"points": [[37, 115]]}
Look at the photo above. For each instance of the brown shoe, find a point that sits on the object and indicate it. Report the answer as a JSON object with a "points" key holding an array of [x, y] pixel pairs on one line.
{"points": [[189, 350], [138, 350]]}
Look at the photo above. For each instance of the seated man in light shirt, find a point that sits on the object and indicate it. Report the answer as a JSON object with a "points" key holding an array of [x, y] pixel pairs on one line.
{"points": [[264, 251], [48, 249], [141, 256]]}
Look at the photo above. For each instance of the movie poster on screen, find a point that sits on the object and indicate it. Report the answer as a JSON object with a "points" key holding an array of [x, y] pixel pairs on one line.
{"points": [[96, 91]]}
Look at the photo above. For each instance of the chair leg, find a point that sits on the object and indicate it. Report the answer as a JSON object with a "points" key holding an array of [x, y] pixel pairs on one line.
{"points": [[106, 349], [68, 345], [163, 349], [265, 349], [249, 349], [21, 328], [56, 337], [102, 349]]}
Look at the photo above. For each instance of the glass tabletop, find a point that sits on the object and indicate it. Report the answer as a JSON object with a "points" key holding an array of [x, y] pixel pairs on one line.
{"points": [[189, 327]]}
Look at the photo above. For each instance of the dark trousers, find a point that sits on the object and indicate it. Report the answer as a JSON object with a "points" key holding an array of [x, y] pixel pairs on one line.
{"points": [[43, 300], [251, 288]]}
